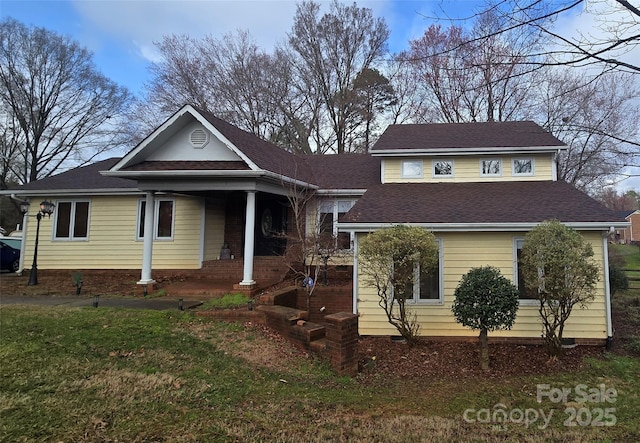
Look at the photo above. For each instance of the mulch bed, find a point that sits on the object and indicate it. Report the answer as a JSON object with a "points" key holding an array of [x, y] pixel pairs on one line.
{"points": [[461, 359]]}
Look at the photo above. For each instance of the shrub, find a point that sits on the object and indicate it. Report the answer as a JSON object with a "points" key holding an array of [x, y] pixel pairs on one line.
{"points": [[618, 280], [485, 301]]}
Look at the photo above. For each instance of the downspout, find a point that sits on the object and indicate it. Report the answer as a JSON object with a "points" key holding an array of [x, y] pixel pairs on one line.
{"points": [[355, 273], [23, 243], [607, 287]]}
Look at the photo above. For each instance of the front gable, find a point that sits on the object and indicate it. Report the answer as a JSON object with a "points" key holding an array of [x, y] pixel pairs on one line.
{"points": [[185, 136]]}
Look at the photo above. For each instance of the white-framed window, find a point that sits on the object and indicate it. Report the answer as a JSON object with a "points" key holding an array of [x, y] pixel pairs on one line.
{"points": [[330, 212], [427, 284], [442, 168], [164, 216], [527, 296], [522, 166], [72, 220], [491, 167], [411, 169]]}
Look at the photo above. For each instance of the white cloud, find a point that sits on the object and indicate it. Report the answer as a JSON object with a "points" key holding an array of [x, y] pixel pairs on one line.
{"points": [[138, 23]]}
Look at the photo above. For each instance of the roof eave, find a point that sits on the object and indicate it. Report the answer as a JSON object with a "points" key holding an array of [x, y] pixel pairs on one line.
{"points": [[98, 191], [480, 227], [338, 192], [467, 151]]}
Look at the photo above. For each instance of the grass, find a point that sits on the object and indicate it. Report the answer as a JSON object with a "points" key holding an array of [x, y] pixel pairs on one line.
{"points": [[630, 255], [87, 375], [230, 300]]}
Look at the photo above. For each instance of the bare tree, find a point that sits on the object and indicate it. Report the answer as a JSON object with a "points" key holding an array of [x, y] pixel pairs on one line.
{"points": [[309, 247], [62, 111], [332, 50], [464, 79], [597, 118], [617, 201], [610, 30]]}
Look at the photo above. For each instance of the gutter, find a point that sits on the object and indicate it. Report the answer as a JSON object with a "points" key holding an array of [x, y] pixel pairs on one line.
{"points": [[467, 227], [210, 173], [465, 151]]}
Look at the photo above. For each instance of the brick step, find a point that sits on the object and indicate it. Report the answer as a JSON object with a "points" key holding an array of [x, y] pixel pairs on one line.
{"points": [[283, 314], [307, 332], [319, 346]]}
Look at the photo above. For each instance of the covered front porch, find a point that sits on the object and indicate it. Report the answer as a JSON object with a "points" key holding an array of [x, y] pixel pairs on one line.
{"points": [[243, 237]]}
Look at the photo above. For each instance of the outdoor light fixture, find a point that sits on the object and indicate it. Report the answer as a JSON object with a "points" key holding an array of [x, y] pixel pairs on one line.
{"points": [[46, 208], [96, 298]]}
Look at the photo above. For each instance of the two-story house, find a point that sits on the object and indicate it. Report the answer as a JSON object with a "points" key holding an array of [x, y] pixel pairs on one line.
{"points": [[479, 187], [199, 192]]}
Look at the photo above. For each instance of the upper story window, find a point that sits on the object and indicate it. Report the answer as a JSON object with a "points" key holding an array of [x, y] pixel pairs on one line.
{"points": [[442, 168], [72, 220], [490, 167], [330, 212], [164, 214], [522, 166], [411, 168]]}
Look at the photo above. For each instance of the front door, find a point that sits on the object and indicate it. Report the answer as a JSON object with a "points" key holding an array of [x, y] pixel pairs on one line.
{"points": [[271, 226]]}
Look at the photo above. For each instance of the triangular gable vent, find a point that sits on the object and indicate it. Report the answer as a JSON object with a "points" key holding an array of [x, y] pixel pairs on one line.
{"points": [[199, 138]]}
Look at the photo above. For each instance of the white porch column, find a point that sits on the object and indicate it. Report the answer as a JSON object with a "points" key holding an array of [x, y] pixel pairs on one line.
{"points": [[249, 239], [147, 248]]}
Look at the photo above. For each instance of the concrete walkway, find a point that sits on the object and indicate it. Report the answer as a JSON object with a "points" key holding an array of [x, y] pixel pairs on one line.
{"points": [[124, 302]]}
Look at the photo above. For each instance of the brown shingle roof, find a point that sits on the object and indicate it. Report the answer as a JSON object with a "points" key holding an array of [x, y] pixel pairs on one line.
{"points": [[465, 135], [265, 155], [82, 178], [344, 171], [495, 202]]}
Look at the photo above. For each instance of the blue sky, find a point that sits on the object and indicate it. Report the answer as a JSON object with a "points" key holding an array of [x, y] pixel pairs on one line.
{"points": [[121, 33]]}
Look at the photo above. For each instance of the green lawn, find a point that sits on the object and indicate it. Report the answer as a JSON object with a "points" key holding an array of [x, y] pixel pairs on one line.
{"points": [[630, 255], [87, 375]]}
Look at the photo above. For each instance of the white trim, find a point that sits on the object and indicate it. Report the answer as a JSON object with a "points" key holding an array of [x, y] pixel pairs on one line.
{"points": [[382, 166]]}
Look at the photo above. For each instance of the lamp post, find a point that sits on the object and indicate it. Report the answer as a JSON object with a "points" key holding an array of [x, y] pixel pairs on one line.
{"points": [[46, 208]]}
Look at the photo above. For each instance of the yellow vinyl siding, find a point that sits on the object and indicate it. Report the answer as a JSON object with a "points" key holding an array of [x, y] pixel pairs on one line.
{"points": [[467, 169], [463, 251], [112, 240], [214, 229]]}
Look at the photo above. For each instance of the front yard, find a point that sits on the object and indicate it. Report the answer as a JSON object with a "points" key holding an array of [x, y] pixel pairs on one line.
{"points": [[124, 375]]}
